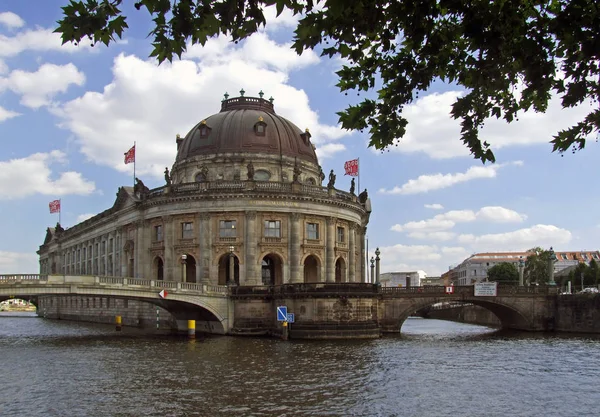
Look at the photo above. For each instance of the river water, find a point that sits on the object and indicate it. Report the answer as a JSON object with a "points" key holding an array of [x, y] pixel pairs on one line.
{"points": [[435, 368]]}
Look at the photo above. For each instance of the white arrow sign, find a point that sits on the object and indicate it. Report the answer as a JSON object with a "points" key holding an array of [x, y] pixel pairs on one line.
{"points": [[163, 294]]}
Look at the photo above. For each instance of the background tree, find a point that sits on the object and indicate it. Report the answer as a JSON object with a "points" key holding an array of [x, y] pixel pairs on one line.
{"points": [[503, 272], [510, 56], [537, 267]]}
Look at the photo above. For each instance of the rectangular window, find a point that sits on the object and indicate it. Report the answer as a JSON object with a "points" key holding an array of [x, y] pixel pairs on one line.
{"points": [[312, 231], [564, 256], [103, 247], [272, 228], [595, 256], [110, 245], [341, 235], [158, 233], [84, 250], [227, 228], [187, 230], [584, 256]]}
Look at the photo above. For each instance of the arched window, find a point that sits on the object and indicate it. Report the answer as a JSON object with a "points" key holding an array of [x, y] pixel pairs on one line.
{"points": [[262, 175]]}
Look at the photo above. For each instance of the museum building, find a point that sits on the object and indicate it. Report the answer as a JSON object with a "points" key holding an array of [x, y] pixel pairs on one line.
{"points": [[243, 204]]}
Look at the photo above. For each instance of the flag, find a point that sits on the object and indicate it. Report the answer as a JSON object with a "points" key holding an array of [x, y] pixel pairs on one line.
{"points": [[351, 168], [130, 155], [54, 206]]}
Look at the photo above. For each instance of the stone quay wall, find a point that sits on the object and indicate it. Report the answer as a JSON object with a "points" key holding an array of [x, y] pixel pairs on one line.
{"points": [[104, 310]]}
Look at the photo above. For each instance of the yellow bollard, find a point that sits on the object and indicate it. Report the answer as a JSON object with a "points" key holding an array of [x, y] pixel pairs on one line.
{"points": [[285, 333], [192, 329], [118, 323]]}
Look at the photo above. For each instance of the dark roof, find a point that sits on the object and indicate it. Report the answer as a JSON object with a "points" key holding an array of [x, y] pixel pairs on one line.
{"points": [[233, 130]]}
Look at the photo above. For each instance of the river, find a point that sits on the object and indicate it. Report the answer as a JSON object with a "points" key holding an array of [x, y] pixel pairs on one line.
{"points": [[435, 368]]}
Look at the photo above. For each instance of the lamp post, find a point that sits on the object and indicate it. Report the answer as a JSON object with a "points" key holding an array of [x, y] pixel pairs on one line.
{"points": [[377, 259], [184, 265], [372, 269], [521, 267], [231, 266], [551, 259]]}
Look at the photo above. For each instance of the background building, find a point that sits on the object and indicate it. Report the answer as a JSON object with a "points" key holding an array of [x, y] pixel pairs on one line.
{"points": [[402, 279], [474, 268]]}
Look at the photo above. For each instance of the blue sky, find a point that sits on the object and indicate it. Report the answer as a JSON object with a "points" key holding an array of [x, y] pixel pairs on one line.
{"points": [[67, 115]]}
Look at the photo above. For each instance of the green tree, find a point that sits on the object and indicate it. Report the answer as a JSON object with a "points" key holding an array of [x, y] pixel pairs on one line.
{"points": [[537, 270], [509, 55], [503, 272]]}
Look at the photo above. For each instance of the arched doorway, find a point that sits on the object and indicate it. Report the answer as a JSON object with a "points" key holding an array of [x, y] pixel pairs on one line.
{"points": [[224, 269], [159, 269], [311, 269], [340, 270], [272, 270], [190, 268]]}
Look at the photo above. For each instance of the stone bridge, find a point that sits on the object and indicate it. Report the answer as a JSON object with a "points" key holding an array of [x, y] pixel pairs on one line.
{"points": [[185, 301], [322, 310], [520, 308]]}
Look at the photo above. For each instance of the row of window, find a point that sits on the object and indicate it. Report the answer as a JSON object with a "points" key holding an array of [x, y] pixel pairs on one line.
{"points": [[227, 228], [71, 256]]}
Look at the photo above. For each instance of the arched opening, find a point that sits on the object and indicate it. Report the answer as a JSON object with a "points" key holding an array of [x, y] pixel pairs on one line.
{"points": [[311, 269], [200, 177], [189, 268], [340, 270], [159, 269], [272, 270], [225, 269]]}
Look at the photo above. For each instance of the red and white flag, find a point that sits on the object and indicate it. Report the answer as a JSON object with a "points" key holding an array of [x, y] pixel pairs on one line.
{"points": [[54, 206], [130, 155], [351, 168]]}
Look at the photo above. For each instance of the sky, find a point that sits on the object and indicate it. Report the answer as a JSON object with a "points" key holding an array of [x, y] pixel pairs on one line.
{"points": [[68, 113]]}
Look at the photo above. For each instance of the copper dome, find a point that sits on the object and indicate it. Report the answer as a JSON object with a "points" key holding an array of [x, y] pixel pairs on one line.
{"points": [[247, 124]]}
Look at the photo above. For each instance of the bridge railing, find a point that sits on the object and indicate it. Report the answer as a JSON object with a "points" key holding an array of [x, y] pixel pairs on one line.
{"points": [[93, 280]]}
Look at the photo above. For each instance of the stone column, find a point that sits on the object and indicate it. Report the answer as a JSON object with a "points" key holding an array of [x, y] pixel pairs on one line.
{"points": [[139, 236], [330, 250], [351, 254], [205, 238], [250, 243], [124, 255], [169, 241], [363, 254], [295, 268]]}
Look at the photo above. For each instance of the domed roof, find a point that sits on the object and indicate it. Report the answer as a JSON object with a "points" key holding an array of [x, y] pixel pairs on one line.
{"points": [[247, 125]]}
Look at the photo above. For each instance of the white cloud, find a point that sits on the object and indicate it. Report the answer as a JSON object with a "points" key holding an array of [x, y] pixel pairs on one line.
{"points": [[437, 227], [38, 88], [84, 217], [435, 236], [7, 114], [500, 214], [11, 20], [521, 239], [329, 149], [426, 183], [3, 67], [32, 175], [433, 131], [149, 104], [39, 40], [434, 206], [285, 20], [18, 263]]}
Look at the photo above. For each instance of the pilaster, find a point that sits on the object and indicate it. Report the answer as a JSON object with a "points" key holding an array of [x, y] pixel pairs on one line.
{"points": [[330, 250], [250, 244], [351, 254], [295, 276]]}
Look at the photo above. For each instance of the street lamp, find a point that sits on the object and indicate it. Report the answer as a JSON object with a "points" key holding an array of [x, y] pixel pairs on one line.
{"points": [[372, 269], [377, 259], [231, 266], [521, 267], [551, 259], [184, 265]]}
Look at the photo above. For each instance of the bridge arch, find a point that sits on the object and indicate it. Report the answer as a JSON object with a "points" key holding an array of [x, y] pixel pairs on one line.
{"points": [[510, 316]]}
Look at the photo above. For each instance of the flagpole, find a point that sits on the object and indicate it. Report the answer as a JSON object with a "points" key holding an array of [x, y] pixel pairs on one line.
{"points": [[367, 255], [358, 169], [134, 163], [59, 209]]}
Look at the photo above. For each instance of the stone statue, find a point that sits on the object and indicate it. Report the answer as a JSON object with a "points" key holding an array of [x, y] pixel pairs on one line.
{"points": [[140, 187], [167, 177], [321, 174], [58, 228], [352, 186], [250, 167], [297, 172], [331, 182], [362, 197]]}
